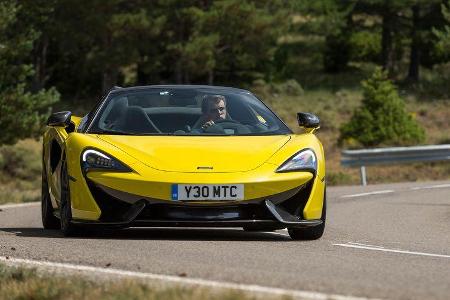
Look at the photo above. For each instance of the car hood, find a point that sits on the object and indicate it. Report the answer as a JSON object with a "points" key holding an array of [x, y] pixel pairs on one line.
{"points": [[199, 154]]}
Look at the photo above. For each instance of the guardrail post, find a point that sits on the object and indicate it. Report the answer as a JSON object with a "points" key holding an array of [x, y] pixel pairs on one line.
{"points": [[363, 176]]}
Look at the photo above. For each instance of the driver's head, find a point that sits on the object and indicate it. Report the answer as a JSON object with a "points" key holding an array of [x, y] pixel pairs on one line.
{"points": [[214, 107]]}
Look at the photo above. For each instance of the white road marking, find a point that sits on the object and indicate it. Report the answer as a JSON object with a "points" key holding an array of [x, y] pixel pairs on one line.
{"points": [[46, 266], [359, 244], [16, 205], [380, 248], [368, 194], [438, 186]]}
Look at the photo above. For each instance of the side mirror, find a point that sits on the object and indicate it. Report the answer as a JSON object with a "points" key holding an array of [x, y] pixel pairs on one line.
{"points": [[308, 120], [61, 118]]}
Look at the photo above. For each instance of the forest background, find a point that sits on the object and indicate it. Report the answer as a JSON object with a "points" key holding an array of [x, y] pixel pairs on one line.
{"points": [[295, 55]]}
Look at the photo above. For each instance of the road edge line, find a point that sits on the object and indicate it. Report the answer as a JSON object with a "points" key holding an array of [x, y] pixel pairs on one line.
{"points": [[368, 194], [17, 205], [380, 248], [53, 266]]}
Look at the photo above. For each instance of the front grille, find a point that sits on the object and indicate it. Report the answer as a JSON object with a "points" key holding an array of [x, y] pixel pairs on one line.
{"points": [[296, 203], [205, 213]]}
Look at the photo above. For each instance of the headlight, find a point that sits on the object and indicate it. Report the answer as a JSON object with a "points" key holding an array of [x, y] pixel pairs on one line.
{"points": [[95, 160], [303, 160]]}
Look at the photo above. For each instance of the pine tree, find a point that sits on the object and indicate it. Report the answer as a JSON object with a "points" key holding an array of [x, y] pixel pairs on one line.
{"points": [[22, 113], [443, 34], [382, 119]]}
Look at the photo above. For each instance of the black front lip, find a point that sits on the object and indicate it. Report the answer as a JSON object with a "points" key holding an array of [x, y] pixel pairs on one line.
{"points": [[288, 219], [183, 223]]}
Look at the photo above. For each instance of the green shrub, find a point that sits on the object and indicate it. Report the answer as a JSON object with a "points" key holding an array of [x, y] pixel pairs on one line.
{"points": [[339, 178], [19, 162], [289, 87], [382, 118]]}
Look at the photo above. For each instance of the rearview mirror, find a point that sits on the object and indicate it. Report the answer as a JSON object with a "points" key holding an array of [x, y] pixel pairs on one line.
{"points": [[308, 120], [61, 118]]}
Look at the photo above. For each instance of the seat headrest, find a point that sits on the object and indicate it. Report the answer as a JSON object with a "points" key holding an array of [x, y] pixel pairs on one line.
{"points": [[118, 109], [137, 121]]}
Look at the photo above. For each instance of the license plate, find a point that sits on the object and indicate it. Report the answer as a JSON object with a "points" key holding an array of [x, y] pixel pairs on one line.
{"points": [[195, 192]]}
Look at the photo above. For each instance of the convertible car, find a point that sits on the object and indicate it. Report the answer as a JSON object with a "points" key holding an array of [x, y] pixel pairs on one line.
{"points": [[178, 155]]}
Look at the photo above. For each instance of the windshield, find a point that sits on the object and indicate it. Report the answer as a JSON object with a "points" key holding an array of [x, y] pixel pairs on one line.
{"points": [[186, 111]]}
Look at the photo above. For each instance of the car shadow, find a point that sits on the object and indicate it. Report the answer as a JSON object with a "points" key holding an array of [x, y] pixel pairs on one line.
{"points": [[178, 234]]}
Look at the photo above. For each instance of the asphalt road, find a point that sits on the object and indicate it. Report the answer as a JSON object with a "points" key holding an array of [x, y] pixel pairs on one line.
{"points": [[381, 241]]}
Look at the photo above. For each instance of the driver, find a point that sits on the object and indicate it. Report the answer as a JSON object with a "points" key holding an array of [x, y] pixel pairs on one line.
{"points": [[214, 108]]}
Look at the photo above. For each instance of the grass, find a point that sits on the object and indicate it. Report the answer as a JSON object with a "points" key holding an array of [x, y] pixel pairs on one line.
{"points": [[20, 172], [24, 283]]}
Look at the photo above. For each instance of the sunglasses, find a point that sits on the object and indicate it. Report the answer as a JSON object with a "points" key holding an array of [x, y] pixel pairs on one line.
{"points": [[220, 109]]}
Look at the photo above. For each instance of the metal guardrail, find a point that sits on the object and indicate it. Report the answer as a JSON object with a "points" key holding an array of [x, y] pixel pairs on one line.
{"points": [[394, 155]]}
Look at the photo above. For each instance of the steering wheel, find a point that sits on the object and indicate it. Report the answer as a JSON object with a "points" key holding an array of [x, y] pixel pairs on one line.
{"points": [[222, 124]]}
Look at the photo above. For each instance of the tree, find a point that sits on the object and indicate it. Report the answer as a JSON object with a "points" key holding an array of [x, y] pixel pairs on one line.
{"points": [[392, 27], [38, 14], [423, 16], [99, 44], [228, 41], [404, 23], [246, 33], [329, 23], [338, 15], [22, 112], [382, 118], [443, 35], [188, 52]]}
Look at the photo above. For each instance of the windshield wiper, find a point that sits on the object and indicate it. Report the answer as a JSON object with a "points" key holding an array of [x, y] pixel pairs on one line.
{"points": [[116, 132], [112, 132]]}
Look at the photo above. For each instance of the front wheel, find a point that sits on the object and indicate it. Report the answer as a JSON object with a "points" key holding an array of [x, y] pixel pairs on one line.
{"points": [[311, 233], [49, 221], [65, 210]]}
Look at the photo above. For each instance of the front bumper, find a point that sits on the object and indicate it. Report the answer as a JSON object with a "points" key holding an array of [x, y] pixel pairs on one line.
{"points": [[121, 209], [91, 192]]}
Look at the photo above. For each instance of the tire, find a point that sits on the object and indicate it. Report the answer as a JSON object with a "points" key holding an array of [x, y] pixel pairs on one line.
{"points": [[65, 210], [49, 221], [311, 233]]}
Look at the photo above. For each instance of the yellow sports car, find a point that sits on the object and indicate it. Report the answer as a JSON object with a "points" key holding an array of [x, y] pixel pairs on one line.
{"points": [[180, 155]]}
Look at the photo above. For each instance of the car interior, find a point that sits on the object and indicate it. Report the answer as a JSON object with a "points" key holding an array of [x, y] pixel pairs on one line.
{"points": [[178, 114]]}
